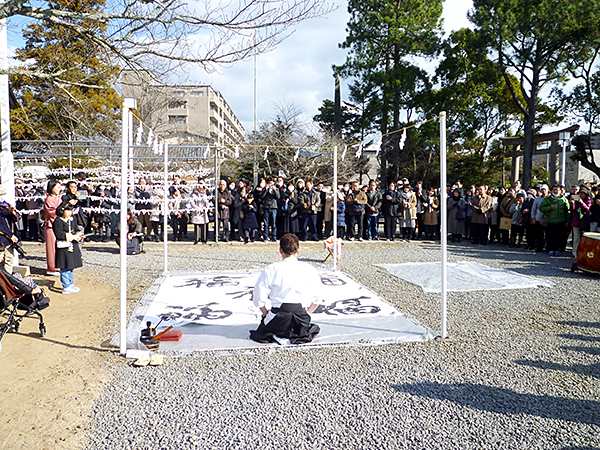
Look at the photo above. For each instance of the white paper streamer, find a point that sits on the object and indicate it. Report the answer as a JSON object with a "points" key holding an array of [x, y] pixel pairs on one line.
{"points": [[266, 153], [139, 135], [344, 152], [402, 140], [297, 154], [359, 151], [150, 138]]}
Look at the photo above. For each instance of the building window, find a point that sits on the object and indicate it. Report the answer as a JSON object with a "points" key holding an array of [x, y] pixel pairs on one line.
{"points": [[179, 93], [197, 93], [177, 120], [177, 104]]}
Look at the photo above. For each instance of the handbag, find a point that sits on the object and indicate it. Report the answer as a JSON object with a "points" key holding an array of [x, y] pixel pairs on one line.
{"points": [[545, 220], [505, 223]]}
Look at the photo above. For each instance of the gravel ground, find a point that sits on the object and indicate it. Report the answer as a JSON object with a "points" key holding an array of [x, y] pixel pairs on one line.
{"points": [[521, 368]]}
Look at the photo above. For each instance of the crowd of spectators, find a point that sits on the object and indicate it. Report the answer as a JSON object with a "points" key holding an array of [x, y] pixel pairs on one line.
{"points": [[540, 219]]}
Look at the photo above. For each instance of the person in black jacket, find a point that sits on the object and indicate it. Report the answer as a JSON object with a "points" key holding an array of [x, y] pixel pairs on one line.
{"points": [[389, 207], [374, 202], [421, 200], [269, 197]]}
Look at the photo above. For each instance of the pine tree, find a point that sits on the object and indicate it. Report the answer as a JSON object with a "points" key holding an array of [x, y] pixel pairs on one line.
{"points": [[77, 98]]}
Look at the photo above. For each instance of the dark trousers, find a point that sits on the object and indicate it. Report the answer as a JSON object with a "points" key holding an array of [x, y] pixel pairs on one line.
{"points": [[530, 235], [224, 223], [309, 227], [179, 225], [420, 224], [479, 233], [372, 222], [351, 222], [328, 229], [389, 226], [200, 232], [320, 216], [555, 233], [540, 237], [270, 218], [155, 227]]}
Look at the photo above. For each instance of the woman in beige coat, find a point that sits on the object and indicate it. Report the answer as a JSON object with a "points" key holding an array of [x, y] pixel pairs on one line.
{"points": [[408, 216], [431, 208]]}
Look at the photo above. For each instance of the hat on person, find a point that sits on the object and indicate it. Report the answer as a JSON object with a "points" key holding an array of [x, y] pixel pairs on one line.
{"points": [[531, 191], [299, 180], [544, 186], [521, 193], [583, 188], [405, 180]]}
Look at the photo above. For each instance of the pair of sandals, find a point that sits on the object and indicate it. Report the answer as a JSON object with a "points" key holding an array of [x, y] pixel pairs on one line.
{"points": [[150, 360]]}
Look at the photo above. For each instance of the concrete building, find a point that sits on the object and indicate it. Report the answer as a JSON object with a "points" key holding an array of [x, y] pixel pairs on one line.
{"points": [[184, 113]]}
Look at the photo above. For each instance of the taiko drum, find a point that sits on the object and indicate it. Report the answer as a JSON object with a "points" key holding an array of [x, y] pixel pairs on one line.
{"points": [[588, 252]]}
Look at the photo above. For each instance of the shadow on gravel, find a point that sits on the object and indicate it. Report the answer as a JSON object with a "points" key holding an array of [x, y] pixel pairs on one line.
{"points": [[101, 249], [579, 324], [505, 401], [580, 337], [592, 370], [580, 448]]}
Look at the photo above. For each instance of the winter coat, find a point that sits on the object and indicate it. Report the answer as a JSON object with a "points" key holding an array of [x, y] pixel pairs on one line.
{"points": [[374, 199], [558, 215], [311, 199], [269, 197], [580, 214], [341, 216], [516, 211], [67, 258], [352, 207], [327, 211], [200, 206], [456, 225], [431, 211], [249, 221], [224, 200], [389, 208], [409, 205], [482, 208]]}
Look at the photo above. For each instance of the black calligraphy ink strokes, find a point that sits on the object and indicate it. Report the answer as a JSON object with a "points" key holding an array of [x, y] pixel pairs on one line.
{"points": [[239, 294], [195, 313], [331, 280], [348, 307], [216, 281]]}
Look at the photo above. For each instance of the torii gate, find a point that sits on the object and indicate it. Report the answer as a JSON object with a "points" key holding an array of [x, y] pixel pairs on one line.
{"points": [[554, 138]]}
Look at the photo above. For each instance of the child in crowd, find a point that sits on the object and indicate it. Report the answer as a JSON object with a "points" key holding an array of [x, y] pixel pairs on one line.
{"points": [[341, 215], [249, 223], [68, 254], [517, 228]]}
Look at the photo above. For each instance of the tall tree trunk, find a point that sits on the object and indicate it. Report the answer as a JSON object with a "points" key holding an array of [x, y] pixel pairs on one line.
{"points": [[529, 145], [385, 140], [396, 116]]}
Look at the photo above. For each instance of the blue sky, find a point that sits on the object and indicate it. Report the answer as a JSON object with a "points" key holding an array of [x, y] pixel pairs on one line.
{"points": [[297, 71]]}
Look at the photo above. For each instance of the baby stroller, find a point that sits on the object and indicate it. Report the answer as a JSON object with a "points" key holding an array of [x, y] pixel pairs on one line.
{"points": [[16, 306]]}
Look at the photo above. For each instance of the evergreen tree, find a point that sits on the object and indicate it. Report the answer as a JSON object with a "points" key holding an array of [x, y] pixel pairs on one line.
{"points": [[81, 100], [383, 37], [538, 42]]}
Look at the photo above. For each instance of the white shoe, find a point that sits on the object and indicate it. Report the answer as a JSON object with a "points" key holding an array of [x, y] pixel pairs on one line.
{"points": [[56, 274], [71, 290]]}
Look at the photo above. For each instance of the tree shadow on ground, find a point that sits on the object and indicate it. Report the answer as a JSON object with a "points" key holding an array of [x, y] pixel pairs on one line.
{"points": [[504, 401], [592, 370]]}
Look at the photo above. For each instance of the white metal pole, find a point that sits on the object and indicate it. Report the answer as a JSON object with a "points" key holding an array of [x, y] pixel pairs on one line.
{"points": [[564, 163], [6, 156], [444, 216], [335, 185], [216, 201], [130, 142], [166, 208], [128, 103]]}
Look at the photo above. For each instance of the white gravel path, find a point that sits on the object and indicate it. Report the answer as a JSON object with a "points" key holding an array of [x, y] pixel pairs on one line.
{"points": [[521, 369]]}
